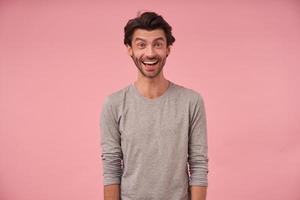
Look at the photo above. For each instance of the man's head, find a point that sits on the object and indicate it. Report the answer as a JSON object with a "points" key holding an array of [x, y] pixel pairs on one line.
{"points": [[148, 38], [147, 21]]}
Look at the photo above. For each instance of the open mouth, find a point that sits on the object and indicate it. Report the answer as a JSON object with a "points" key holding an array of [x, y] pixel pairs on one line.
{"points": [[154, 62]]}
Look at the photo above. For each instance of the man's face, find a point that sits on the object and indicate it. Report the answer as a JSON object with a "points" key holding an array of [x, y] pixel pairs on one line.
{"points": [[149, 51]]}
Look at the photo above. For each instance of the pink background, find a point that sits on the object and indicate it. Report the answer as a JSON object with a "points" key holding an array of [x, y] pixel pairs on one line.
{"points": [[59, 59]]}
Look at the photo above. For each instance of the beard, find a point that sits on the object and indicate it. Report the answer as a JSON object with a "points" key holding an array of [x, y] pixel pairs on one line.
{"points": [[141, 67]]}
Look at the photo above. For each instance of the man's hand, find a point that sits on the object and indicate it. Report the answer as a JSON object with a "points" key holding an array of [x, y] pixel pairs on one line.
{"points": [[198, 192], [112, 192]]}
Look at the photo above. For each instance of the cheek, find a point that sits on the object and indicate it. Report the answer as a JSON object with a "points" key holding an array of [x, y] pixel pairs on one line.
{"points": [[163, 56], [137, 55], [163, 53], [136, 58]]}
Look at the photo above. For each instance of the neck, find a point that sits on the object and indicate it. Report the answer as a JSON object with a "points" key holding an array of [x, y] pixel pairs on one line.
{"points": [[151, 88]]}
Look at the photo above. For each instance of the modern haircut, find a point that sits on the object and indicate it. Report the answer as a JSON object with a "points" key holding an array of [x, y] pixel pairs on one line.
{"points": [[148, 21]]}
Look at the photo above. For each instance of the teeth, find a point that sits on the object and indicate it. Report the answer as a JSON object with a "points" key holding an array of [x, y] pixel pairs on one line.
{"points": [[150, 62]]}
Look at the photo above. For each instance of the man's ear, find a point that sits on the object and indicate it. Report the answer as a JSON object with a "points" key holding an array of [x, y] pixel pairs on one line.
{"points": [[168, 51], [129, 50]]}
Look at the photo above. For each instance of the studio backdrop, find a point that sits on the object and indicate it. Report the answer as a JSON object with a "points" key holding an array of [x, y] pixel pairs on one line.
{"points": [[59, 59]]}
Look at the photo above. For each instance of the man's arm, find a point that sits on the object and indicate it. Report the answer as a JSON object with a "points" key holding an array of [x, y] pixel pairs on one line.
{"points": [[111, 150], [197, 151], [198, 192], [112, 192]]}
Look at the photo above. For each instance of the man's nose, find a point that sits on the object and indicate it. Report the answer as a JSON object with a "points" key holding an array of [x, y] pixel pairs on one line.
{"points": [[150, 52]]}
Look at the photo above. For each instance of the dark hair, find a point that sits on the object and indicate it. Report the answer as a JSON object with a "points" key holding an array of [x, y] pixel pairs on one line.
{"points": [[148, 21]]}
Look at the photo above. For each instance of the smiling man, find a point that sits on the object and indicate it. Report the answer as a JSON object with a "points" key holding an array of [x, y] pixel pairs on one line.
{"points": [[149, 61], [153, 131]]}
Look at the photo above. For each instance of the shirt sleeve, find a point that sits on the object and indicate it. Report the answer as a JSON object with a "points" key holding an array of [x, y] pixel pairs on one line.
{"points": [[197, 150], [111, 144]]}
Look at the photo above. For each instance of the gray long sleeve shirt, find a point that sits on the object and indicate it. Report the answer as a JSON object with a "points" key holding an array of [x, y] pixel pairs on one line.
{"points": [[154, 148]]}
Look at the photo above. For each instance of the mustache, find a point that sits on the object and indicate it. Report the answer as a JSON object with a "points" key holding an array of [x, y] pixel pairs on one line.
{"points": [[141, 59]]}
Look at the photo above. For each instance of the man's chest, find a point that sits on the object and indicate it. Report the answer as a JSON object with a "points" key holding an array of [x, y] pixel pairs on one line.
{"points": [[149, 124]]}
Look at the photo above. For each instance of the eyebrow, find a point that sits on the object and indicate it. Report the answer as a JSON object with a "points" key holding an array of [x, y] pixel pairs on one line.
{"points": [[160, 38]]}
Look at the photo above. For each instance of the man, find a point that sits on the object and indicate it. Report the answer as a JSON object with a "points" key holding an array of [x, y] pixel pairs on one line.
{"points": [[153, 131]]}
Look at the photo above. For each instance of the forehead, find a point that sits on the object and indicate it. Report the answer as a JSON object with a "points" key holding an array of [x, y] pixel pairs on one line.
{"points": [[148, 35]]}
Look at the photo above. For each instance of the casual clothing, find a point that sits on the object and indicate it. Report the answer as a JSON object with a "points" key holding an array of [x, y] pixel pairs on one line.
{"points": [[154, 148]]}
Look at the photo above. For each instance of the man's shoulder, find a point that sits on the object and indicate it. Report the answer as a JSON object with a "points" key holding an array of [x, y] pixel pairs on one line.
{"points": [[116, 96], [188, 92]]}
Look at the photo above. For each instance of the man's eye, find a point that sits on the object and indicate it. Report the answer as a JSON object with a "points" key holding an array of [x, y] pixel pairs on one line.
{"points": [[158, 45], [141, 45]]}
